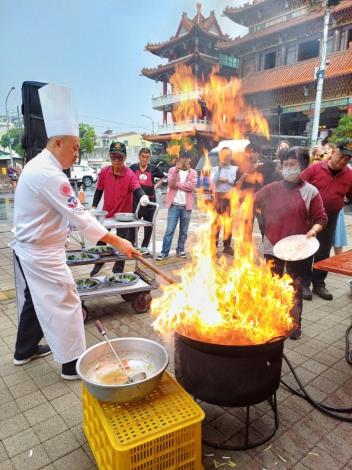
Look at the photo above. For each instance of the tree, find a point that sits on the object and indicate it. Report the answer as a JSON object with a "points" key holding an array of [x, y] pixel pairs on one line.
{"points": [[343, 130], [87, 136], [14, 136]]}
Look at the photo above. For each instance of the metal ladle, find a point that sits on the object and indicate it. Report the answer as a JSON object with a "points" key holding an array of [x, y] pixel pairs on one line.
{"points": [[134, 378]]}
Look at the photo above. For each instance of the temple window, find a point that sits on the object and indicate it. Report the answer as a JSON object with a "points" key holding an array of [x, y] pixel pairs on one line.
{"points": [[342, 45], [308, 50], [290, 55], [268, 60], [330, 43]]}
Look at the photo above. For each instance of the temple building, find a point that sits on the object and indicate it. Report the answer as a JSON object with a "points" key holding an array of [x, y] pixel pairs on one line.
{"points": [[277, 61], [279, 57], [195, 45]]}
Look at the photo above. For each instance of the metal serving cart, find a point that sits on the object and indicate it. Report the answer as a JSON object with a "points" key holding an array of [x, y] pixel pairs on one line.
{"points": [[137, 294]]}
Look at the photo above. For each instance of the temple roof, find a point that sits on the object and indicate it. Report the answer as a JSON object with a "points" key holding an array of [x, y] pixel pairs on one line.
{"points": [[297, 74], [169, 66], [314, 15], [188, 27], [238, 13]]}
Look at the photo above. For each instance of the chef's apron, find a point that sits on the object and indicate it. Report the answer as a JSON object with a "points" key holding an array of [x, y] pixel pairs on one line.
{"points": [[55, 298]]}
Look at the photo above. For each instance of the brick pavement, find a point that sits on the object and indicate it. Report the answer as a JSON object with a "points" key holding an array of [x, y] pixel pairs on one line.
{"points": [[40, 415]]}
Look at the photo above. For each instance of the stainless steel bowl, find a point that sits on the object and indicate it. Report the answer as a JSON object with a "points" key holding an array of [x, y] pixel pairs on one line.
{"points": [[136, 349], [99, 215], [125, 217]]}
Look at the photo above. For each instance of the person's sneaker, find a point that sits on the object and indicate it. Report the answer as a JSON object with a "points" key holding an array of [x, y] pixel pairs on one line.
{"points": [[97, 268], [162, 256], [68, 371], [306, 293], [322, 292], [296, 334], [229, 251], [42, 351], [144, 250], [181, 254]]}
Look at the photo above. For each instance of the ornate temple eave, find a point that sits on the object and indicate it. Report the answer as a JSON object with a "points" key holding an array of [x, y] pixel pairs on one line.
{"points": [[301, 73], [158, 48], [170, 66], [240, 14], [230, 45]]}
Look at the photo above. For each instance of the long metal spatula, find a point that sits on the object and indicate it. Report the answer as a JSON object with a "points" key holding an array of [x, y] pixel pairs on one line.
{"points": [[131, 379]]}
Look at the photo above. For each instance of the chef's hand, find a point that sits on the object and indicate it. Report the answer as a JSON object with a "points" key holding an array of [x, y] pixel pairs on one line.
{"points": [[124, 246], [311, 233], [144, 200], [223, 180]]}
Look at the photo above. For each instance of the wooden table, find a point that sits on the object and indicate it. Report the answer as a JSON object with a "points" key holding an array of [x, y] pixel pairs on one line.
{"points": [[339, 264]]}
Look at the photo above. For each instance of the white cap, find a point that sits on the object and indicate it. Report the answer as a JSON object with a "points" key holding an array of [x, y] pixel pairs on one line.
{"points": [[55, 101], [237, 145]]}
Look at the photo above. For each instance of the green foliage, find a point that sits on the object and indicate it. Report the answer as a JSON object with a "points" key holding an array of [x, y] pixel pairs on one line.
{"points": [[343, 130], [15, 135], [87, 136]]}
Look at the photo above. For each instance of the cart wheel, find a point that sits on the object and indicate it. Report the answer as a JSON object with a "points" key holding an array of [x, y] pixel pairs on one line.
{"points": [[85, 313], [128, 297], [141, 302]]}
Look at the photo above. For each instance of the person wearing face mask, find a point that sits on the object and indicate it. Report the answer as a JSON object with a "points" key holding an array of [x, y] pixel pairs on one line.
{"points": [[333, 179], [291, 207]]}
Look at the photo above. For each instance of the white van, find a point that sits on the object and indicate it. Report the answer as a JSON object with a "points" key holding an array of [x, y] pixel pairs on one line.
{"points": [[85, 173]]}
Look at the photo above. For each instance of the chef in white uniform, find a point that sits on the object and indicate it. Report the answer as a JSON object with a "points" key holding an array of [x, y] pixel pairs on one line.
{"points": [[45, 205]]}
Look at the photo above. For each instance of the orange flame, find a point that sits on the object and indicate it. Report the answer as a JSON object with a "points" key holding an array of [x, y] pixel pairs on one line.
{"points": [[226, 303], [238, 302]]}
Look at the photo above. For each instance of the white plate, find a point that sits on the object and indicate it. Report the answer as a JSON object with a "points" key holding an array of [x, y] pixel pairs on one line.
{"points": [[295, 248]]}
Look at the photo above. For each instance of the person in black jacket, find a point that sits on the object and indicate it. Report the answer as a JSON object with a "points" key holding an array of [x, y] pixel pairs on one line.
{"points": [[147, 174]]}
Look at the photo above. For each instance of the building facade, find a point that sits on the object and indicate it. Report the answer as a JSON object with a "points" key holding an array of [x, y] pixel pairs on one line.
{"points": [[277, 61], [279, 58]]}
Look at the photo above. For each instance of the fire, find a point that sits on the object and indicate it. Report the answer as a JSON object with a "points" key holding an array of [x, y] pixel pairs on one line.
{"points": [[226, 303], [184, 82], [237, 302]]}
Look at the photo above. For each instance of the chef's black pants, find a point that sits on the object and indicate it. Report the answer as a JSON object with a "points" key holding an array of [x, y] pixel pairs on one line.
{"points": [[296, 269], [29, 331], [222, 206], [325, 237], [125, 233]]}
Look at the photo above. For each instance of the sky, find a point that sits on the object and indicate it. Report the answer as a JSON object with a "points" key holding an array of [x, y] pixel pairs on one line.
{"points": [[96, 48]]}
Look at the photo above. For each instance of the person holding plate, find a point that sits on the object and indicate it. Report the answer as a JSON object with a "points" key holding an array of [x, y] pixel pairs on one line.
{"points": [[291, 207]]}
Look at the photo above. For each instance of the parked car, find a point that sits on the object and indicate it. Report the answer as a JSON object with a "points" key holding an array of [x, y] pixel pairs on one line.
{"points": [[85, 173]]}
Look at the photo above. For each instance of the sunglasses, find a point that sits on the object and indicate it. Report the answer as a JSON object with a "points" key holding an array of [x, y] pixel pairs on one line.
{"points": [[116, 158]]}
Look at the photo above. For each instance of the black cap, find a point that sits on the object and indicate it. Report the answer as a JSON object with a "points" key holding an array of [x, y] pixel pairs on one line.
{"points": [[345, 147], [185, 154], [118, 147]]}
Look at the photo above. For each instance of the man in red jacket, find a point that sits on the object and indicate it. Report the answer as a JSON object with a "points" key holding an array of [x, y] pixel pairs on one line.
{"points": [[333, 179]]}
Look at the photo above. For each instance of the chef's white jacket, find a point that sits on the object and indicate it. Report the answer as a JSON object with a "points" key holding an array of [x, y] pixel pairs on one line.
{"points": [[45, 204]]}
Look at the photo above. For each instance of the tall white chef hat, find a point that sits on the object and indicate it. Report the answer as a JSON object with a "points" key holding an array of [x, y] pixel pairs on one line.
{"points": [[55, 101]]}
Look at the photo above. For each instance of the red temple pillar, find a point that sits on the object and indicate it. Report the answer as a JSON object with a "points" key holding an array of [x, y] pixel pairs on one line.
{"points": [[164, 88]]}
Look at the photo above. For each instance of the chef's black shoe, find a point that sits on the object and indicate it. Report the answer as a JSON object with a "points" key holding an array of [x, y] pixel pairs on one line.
{"points": [[42, 350], [68, 371], [97, 268], [306, 293], [322, 292]]}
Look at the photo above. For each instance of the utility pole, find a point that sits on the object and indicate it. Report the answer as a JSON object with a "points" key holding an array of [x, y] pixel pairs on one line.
{"points": [[321, 70], [8, 123]]}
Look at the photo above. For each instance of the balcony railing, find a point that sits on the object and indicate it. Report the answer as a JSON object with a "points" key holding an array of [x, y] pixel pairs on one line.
{"points": [[185, 126], [163, 101]]}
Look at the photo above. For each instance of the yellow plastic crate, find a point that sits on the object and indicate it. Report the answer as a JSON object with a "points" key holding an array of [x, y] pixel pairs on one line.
{"points": [[160, 432]]}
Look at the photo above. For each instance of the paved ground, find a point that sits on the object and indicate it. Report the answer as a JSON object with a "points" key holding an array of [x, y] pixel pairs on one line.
{"points": [[40, 415]]}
